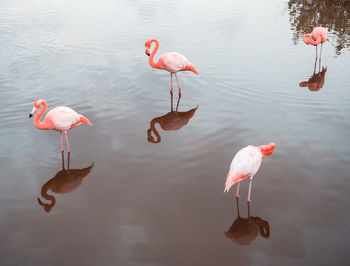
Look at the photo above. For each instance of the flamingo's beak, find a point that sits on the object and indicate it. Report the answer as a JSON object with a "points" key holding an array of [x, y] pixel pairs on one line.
{"points": [[32, 112], [147, 52]]}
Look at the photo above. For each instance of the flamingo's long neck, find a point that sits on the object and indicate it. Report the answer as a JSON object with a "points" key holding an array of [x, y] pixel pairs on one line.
{"points": [[47, 206], [150, 60], [155, 131], [47, 196], [309, 40], [45, 124], [264, 227]]}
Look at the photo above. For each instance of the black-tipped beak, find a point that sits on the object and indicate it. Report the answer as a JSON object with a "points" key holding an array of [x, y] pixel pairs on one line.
{"points": [[147, 53], [30, 115]]}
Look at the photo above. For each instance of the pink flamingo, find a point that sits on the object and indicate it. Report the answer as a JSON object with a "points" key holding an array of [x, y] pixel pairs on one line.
{"points": [[60, 118], [245, 164], [172, 62], [318, 36]]}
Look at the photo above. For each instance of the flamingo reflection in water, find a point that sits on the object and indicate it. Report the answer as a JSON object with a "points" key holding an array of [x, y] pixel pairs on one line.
{"points": [[65, 181], [173, 120], [244, 231], [316, 81]]}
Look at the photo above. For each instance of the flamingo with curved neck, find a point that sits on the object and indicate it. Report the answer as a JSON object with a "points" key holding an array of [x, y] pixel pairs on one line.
{"points": [[319, 35], [171, 62], [60, 118]]}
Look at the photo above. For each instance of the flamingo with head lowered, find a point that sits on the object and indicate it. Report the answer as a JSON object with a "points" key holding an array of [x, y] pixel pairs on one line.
{"points": [[172, 62], [246, 164], [319, 35], [60, 118]]}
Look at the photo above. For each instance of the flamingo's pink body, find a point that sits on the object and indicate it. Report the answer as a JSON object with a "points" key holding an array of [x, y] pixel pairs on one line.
{"points": [[245, 165], [319, 35], [171, 62], [60, 118]]}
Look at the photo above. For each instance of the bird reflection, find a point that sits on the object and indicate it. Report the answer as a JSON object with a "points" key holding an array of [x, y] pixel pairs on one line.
{"points": [[316, 81], [244, 231], [173, 120], [65, 181]]}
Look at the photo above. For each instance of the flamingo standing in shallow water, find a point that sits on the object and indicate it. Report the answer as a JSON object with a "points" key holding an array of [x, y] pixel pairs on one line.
{"points": [[172, 62], [318, 36], [245, 164], [60, 118]]}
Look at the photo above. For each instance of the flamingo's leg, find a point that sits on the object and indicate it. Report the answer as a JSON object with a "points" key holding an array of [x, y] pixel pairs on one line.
{"points": [[321, 53], [178, 101], [68, 148], [171, 86], [171, 101], [68, 161], [237, 192], [250, 187], [315, 66], [178, 85], [248, 209], [62, 160], [61, 141], [316, 51]]}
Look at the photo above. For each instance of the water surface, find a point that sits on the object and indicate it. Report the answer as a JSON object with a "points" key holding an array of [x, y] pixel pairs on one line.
{"points": [[162, 203]]}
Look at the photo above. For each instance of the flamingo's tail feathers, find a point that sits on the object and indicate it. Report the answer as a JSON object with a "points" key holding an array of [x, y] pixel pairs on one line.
{"points": [[191, 68], [228, 186], [228, 183], [267, 149], [233, 178], [83, 119]]}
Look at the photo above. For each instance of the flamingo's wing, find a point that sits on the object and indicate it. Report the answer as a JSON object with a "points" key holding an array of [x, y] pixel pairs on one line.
{"points": [[174, 124], [63, 118], [173, 62]]}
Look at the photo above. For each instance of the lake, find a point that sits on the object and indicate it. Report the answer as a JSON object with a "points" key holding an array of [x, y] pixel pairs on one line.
{"points": [[132, 198]]}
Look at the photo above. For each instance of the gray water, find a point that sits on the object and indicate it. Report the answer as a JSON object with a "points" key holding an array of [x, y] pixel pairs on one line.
{"points": [[146, 203]]}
